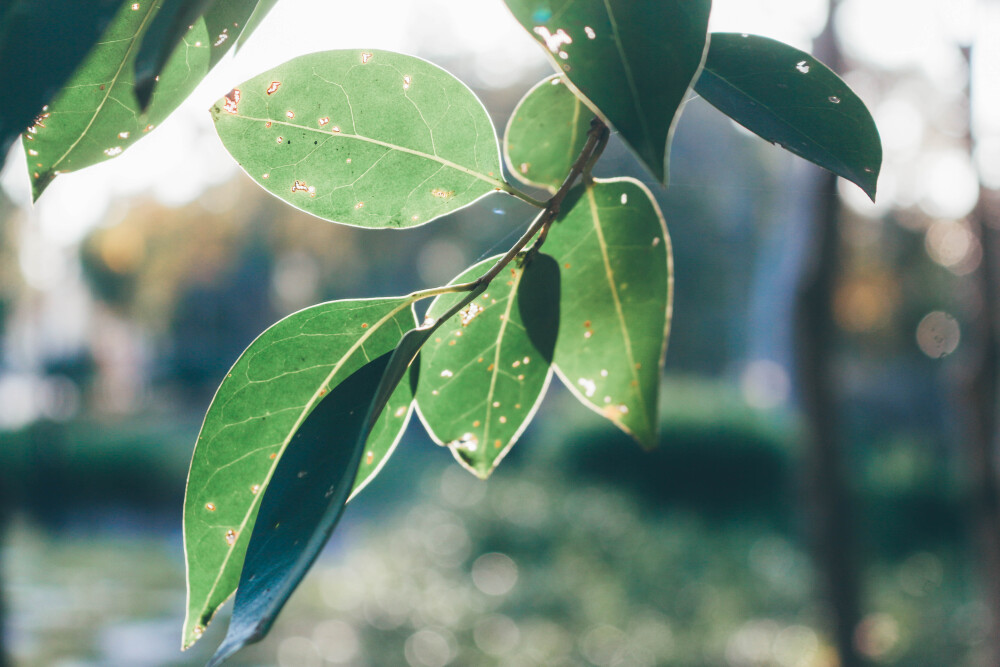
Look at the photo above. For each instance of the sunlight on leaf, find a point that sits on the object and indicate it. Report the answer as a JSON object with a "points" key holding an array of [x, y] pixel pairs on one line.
{"points": [[546, 132], [41, 45], [305, 501], [96, 116], [365, 138], [615, 302], [485, 371], [257, 411], [164, 35]]}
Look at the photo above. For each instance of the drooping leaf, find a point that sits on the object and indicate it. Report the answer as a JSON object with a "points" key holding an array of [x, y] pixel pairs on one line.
{"points": [[365, 138], [160, 40], [632, 61], [484, 372], [42, 42], [96, 115], [258, 409], [789, 98], [545, 134], [295, 521], [304, 502], [615, 303]]}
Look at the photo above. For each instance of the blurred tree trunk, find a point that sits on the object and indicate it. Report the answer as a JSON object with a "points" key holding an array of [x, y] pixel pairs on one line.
{"points": [[825, 475], [980, 384], [980, 393]]}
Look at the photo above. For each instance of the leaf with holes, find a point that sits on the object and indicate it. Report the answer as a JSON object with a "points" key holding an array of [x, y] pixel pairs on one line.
{"points": [[546, 132], [304, 502], [632, 61], [256, 413], [307, 493], [365, 138], [789, 98], [615, 303], [96, 115], [485, 371]]}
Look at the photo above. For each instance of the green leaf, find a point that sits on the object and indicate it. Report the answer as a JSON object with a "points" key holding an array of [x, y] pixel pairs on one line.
{"points": [[259, 13], [484, 373], [614, 253], [632, 61], [41, 44], [365, 138], [304, 502], [294, 521], [545, 134], [789, 98], [164, 35], [257, 411], [96, 116]]}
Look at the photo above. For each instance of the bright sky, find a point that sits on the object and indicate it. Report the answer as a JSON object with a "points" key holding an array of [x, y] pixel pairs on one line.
{"points": [[183, 156]]}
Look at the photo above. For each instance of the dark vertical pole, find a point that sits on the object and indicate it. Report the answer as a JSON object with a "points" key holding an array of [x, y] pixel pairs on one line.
{"points": [[825, 475], [980, 387]]}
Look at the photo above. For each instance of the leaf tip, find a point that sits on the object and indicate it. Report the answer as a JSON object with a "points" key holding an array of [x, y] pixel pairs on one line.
{"points": [[144, 92]]}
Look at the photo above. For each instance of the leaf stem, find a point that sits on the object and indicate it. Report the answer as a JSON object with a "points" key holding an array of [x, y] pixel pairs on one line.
{"points": [[597, 139], [523, 196]]}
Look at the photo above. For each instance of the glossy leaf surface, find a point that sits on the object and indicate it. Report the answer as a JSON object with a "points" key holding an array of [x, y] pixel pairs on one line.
{"points": [[96, 116], [295, 522], [257, 411], [304, 502], [615, 303], [42, 42], [789, 98], [631, 60], [545, 134], [365, 138], [485, 371]]}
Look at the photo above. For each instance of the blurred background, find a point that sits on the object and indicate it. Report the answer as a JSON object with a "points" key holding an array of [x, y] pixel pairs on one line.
{"points": [[825, 491]]}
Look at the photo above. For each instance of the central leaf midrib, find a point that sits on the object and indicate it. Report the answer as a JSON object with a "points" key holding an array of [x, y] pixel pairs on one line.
{"points": [[385, 144], [629, 76], [496, 359], [609, 273], [109, 87]]}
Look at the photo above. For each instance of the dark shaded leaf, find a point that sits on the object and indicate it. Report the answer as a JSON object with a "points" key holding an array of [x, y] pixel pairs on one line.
{"points": [[160, 40], [254, 417], [259, 14], [304, 502], [789, 98], [632, 61], [42, 42], [96, 116]]}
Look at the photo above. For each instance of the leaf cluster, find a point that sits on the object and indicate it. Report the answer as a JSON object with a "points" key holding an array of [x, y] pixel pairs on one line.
{"points": [[311, 411]]}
